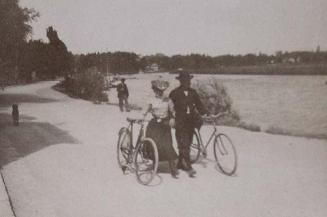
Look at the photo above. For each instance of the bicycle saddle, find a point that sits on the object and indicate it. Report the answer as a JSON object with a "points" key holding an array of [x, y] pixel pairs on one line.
{"points": [[133, 120]]}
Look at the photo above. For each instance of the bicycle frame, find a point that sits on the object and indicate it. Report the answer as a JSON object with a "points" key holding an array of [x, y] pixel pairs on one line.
{"points": [[223, 148], [141, 135], [203, 148]]}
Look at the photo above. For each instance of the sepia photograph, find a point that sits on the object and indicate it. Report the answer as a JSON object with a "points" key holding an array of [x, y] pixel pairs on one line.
{"points": [[163, 108]]}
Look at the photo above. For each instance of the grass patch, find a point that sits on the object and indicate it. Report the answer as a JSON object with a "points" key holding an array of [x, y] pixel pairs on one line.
{"points": [[280, 131], [250, 127]]}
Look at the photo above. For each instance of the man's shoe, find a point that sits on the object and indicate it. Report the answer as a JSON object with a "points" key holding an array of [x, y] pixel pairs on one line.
{"points": [[182, 165], [173, 170], [191, 172], [175, 174]]}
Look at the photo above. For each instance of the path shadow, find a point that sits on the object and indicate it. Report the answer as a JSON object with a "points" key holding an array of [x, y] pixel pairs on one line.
{"points": [[29, 137], [157, 180], [203, 162], [163, 167], [130, 106], [7, 99], [221, 172]]}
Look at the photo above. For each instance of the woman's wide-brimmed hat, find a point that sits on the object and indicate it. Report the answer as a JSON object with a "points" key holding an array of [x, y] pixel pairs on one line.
{"points": [[160, 84], [183, 75]]}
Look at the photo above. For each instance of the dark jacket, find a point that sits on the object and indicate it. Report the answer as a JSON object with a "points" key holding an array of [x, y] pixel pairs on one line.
{"points": [[122, 90], [184, 104]]}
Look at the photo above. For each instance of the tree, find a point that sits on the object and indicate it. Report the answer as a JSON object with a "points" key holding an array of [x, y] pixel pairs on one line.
{"points": [[14, 30], [34, 58], [60, 60]]}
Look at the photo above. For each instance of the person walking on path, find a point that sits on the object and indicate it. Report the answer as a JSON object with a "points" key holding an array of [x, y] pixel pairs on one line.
{"points": [[158, 128], [15, 114], [123, 95], [186, 106]]}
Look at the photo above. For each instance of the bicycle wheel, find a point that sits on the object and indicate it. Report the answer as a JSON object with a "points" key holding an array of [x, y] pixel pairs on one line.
{"points": [[124, 147], [195, 148], [225, 154], [146, 161]]}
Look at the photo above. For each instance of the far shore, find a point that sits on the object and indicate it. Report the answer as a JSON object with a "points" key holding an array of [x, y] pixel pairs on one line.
{"points": [[267, 69]]}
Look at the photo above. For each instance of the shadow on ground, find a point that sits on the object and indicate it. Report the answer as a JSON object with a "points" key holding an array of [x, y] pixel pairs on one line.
{"points": [[29, 137], [7, 100], [130, 106]]}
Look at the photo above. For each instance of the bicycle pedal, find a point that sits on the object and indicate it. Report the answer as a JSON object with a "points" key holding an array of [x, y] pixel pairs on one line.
{"points": [[124, 168]]}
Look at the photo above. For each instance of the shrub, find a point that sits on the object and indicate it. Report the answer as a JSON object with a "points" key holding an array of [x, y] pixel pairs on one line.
{"points": [[215, 98], [88, 86]]}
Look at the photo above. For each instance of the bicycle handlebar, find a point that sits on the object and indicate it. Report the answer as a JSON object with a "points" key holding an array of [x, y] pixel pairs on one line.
{"points": [[135, 120], [216, 116]]}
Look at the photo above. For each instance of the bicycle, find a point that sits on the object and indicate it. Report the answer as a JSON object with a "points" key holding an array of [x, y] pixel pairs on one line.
{"points": [[141, 157], [223, 148]]}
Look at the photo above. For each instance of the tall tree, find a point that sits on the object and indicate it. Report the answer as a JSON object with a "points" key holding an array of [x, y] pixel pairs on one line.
{"points": [[60, 60], [14, 29]]}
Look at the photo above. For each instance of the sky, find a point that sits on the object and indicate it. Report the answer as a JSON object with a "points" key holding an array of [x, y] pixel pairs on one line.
{"points": [[211, 27]]}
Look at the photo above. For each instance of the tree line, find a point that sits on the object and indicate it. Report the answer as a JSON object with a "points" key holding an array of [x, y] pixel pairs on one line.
{"points": [[124, 62]]}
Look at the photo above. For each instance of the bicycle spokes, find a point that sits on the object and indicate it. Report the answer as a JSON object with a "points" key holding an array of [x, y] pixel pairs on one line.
{"points": [[195, 148], [127, 154], [146, 161]]}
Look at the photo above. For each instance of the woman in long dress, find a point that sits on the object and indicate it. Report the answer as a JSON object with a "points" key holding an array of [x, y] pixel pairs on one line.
{"points": [[159, 128]]}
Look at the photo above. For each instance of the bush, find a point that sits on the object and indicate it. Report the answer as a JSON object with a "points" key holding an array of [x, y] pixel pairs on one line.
{"points": [[88, 86], [281, 131], [215, 98]]}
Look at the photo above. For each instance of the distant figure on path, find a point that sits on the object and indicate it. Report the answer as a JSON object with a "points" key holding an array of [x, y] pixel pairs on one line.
{"points": [[159, 128], [123, 95], [15, 114], [186, 104]]}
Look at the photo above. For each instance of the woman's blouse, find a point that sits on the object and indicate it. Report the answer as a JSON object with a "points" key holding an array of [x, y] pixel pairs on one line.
{"points": [[160, 107]]}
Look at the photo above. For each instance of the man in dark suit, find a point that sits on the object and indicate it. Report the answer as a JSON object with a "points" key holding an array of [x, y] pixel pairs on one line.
{"points": [[123, 95], [186, 104]]}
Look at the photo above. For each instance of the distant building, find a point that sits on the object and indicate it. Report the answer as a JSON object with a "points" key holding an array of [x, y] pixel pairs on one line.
{"points": [[154, 67], [292, 60], [289, 60]]}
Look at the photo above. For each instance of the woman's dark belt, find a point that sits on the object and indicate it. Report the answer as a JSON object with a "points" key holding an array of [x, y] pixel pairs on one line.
{"points": [[159, 120]]}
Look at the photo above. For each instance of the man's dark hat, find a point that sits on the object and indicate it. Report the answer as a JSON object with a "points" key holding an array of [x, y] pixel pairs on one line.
{"points": [[183, 75], [123, 79]]}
